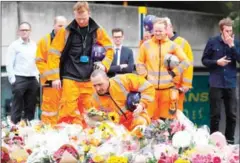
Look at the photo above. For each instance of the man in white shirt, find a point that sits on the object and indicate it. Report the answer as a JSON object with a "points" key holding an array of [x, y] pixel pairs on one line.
{"points": [[123, 61], [23, 74]]}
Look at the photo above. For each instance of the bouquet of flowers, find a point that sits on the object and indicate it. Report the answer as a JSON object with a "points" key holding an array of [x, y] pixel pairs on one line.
{"points": [[40, 155], [66, 154], [158, 131], [93, 116]]}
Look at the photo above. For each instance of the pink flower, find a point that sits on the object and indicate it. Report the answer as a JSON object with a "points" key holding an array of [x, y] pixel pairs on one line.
{"points": [[164, 158], [216, 159], [202, 158], [236, 158], [162, 161], [176, 126]]}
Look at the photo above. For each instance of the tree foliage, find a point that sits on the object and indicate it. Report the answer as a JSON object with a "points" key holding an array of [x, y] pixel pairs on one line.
{"points": [[233, 11]]}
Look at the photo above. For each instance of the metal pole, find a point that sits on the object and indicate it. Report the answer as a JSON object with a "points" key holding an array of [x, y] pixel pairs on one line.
{"points": [[142, 11]]}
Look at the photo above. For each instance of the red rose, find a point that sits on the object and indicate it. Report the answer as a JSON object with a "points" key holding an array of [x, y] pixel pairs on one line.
{"points": [[162, 161], [4, 155], [29, 151], [216, 159]]}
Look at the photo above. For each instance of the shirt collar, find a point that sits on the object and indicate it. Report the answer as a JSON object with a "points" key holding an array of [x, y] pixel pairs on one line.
{"points": [[175, 35], [120, 47], [22, 42]]}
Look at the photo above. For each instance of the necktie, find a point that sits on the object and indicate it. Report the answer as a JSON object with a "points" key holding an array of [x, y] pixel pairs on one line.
{"points": [[116, 55]]}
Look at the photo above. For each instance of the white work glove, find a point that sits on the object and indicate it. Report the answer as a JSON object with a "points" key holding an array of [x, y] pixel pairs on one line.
{"points": [[57, 84], [139, 109], [98, 65], [123, 66], [184, 89]]}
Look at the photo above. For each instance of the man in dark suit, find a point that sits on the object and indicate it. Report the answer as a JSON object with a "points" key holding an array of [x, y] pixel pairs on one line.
{"points": [[123, 58]]}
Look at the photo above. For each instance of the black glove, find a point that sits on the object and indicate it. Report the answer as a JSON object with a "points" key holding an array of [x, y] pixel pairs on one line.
{"points": [[48, 83], [172, 73]]}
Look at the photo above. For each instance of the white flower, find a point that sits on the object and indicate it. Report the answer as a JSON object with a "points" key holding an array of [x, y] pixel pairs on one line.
{"points": [[140, 159], [201, 136], [205, 149], [189, 126], [163, 148], [181, 139], [3, 134]]}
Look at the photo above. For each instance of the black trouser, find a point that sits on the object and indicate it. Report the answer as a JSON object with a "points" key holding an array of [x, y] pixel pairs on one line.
{"points": [[228, 95], [24, 98]]}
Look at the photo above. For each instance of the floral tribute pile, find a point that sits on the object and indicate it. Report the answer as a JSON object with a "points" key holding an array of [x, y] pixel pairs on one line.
{"points": [[105, 141]]}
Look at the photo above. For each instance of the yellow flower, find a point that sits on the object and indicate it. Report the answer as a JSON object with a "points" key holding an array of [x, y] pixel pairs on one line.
{"points": [[95, 142], [98, 158], [81, 158], [181, 161], [22, 123], [37, 128], [102, 127], [105, 127], [106, 135], [20, 159], [114, 117], [91, 131], [86, 148], [117, 159], [189, 152]]}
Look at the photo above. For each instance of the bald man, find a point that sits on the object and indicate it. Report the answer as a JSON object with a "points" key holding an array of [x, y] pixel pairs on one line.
{"points": [[112, 95], [51, 93]]}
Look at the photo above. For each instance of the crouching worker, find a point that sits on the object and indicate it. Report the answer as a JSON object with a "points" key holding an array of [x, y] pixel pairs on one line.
{"points": [[129, 95]]}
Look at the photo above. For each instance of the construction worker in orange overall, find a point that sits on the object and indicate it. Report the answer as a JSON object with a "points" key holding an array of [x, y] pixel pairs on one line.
{"points": [[150, 64], [129, 95], [186, 78], [71, 61], [51, 96]]}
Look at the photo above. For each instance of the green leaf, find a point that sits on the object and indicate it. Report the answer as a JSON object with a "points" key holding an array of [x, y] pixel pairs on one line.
{"points": [[229, 5]]}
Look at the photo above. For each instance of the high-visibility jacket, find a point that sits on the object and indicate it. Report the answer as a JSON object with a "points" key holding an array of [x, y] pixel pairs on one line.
{"points": [[42, 56], [187, 75], [150, 62], [59, 43], [120, 86], [51, 96]]}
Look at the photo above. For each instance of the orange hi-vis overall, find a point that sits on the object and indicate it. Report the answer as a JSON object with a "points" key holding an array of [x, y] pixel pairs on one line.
{"points": [[51, 96], [150, 64], [73, 91], [115, 101], [187, 75]]}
